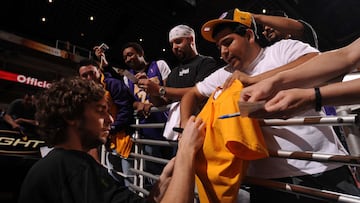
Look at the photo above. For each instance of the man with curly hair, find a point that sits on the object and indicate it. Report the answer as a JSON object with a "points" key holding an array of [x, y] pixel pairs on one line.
{"points": [[73, 116]]}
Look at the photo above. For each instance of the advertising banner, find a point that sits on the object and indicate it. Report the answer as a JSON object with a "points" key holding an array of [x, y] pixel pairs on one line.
{"points": [[13, 143], [27, 80]]}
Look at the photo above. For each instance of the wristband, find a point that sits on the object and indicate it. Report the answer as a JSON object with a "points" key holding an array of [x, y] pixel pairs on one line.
{"points": [[317, 99]]}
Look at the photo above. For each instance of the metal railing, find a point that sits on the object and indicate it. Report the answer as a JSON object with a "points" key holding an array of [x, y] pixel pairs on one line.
{"points": [[350, 120], [73, 49]]}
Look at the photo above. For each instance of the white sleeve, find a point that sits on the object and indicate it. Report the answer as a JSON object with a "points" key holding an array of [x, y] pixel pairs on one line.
{"points": [[211, 82], [163, 68], [293, 49]]}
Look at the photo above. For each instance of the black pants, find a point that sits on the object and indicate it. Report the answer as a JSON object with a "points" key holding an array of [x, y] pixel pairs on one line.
{"points": [[336, 180]]}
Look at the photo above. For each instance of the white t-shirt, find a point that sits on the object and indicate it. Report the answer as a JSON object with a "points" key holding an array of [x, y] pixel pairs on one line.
{"points": [[163, 68], [292, 138]]}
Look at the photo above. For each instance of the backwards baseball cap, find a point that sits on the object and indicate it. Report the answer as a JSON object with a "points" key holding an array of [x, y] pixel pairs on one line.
{"points": [[231, 16], [181, 31]]}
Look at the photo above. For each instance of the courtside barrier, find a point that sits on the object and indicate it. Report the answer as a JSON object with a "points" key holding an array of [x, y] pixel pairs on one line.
{"points": [[320, 157], [350, 120], [302, 190]]}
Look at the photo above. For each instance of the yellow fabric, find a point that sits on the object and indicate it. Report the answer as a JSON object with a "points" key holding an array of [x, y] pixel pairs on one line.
{"points": [[121, 142], [229, 145]]}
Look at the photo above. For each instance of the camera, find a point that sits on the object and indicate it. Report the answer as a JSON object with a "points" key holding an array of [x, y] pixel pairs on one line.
{"points": [[104, 47]]}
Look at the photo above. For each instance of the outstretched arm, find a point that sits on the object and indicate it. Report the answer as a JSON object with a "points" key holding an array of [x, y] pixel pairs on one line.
{"points": [[171, 93], [100, 54], [285, 25], [11, 121], [314, 72], [324, 67], [249, 80], [179, 174], [288, 103]]}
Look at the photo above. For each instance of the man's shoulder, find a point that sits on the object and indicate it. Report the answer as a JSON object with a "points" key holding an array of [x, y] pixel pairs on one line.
{"points": [[285, 44], [288, 42], [203, 57], [197, 61], [15, 105], [17, 101], [58, 157], [200, 61], [161, 61]]}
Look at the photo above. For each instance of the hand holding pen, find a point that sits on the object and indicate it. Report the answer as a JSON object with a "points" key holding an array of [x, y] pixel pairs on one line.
{"points": [[246, 108]]}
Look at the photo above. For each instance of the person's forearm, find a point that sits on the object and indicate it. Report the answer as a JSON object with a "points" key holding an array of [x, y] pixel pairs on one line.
{"points": [[322, 68], [188, 105], [342, 93], [171, 95], [29, 121], [10, 121], [282, 24], [285, 67], [183, 180]]}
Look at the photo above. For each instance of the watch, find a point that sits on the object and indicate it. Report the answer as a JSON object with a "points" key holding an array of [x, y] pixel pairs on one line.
{"points": [[162, 91]]}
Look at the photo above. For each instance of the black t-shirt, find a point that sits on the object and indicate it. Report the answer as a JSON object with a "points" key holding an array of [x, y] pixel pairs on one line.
{"points": [[188, 74], [17, 110], [72, 176]]}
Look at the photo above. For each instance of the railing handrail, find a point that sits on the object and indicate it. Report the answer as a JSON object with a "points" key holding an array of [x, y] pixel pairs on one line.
{"points": [[164, 143], [302, 190], [346, 120]]}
